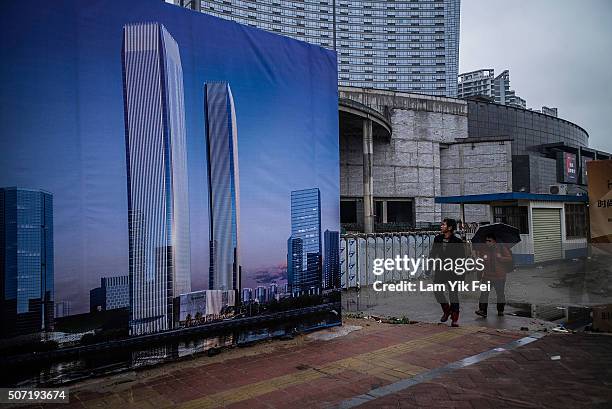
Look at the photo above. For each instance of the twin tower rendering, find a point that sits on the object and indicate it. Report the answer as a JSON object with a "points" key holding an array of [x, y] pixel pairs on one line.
{"points": [[157, 178]]}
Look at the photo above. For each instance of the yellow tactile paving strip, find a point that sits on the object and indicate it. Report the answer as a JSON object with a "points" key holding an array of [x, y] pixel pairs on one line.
{"points": [[379, 363]]}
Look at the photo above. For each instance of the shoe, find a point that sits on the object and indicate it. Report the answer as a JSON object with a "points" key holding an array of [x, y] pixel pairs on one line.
{"points": [[481, 313], [454, 319], [500, 309], [447, 312]]}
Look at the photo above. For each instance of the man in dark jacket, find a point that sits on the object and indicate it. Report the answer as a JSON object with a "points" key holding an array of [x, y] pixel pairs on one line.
{"points": [[447, 245]]}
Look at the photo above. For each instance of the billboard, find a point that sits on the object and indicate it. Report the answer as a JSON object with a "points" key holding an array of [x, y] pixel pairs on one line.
{"points": [[583, 170], [150, 153], [567, 166], [600, 200]]}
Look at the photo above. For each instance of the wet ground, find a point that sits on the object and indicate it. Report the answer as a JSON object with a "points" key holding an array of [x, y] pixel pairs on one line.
{"points": [[537, 297], [371, 364]]}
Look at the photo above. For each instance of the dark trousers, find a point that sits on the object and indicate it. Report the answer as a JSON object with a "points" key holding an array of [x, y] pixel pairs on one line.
{"points": [[446, 279], [500, 291]]}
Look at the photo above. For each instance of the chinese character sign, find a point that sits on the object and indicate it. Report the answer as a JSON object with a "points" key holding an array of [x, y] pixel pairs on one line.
{"points": [[600, 200]]}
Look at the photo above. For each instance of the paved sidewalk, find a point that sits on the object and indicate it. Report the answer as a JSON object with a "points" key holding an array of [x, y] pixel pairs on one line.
{"points": [[523, 378], [308, 372]]}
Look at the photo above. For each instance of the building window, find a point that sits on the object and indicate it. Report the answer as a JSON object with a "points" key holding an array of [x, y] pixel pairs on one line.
{"points": [[575, 221], [379, 212], [516, 216], [399, 212], [394, 213], [348, 211]]}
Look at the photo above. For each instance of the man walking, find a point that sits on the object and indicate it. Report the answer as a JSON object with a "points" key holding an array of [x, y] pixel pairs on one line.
{"points": [[447, 246]]}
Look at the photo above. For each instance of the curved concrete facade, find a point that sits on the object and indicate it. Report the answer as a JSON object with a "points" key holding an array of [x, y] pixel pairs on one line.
{"points": [[526, 128]]}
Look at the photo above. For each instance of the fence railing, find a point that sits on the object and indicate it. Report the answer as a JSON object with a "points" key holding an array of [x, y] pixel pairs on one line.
{"points": [[358, 251]]}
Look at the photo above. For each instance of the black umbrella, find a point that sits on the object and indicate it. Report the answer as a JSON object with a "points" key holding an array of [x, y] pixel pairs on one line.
{"points": [[504, 233]]}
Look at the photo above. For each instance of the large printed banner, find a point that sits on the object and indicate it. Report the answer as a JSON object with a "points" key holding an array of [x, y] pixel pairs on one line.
{"points": [[160, 169], [600, 200]]}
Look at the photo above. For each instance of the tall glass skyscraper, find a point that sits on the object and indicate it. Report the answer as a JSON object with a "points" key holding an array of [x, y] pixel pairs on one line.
{"points": [[331, 262], [26, 261], [156, 154], [223, 187], [405, 45], [306, 227]]}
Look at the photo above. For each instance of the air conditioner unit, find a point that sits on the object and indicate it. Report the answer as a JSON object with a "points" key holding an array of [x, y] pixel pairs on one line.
{"points": [[558, 189]]}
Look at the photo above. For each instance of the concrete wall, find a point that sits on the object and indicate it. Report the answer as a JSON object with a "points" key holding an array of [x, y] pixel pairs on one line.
{"points": [[543, 173], [407, 166], [474, 168]]}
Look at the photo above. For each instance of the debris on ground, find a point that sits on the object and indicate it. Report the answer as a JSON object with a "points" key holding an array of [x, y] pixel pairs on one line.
{"points": [[333, 332]]}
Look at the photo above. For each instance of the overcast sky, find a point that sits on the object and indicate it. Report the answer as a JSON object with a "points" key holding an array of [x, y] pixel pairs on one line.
{"points": [[559, 53]]}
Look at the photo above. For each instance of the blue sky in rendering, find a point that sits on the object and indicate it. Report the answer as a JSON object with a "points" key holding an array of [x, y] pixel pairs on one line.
{"points": [[63, 130]]}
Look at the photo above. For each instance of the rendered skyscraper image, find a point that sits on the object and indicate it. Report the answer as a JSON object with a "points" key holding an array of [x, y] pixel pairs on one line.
{"points": [[158, 207], [306, 226], [295, 257], [26, 261], [223, 187], [331, 262], [113, 293], [134, 128]]}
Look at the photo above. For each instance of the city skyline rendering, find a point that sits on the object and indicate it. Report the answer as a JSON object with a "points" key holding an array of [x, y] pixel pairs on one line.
{"points": [[70, 140]]}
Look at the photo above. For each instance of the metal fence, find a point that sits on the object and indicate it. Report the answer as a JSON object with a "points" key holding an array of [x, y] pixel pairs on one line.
{"points": [[358, 251]]}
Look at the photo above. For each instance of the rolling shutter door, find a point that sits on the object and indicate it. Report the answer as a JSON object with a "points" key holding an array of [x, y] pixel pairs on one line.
{"points": [[547, 234]]}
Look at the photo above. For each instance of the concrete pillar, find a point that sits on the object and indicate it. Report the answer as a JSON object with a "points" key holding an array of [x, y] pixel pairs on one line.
{"points": [[368, 180]]}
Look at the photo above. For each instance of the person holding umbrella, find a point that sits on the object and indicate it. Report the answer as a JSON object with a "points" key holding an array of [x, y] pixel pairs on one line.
{"points": [[497, 256]]}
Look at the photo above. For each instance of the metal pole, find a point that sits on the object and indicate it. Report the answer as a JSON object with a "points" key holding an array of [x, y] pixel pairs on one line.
{"points": [[368, 180]]}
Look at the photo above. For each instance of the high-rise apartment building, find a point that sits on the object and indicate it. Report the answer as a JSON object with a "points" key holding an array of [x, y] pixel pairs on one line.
{"points": [[223, 187], [504, 95], [306, 227], [26, 261], [387, 44], [158, 206], [477, 83], [484, 83]]}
